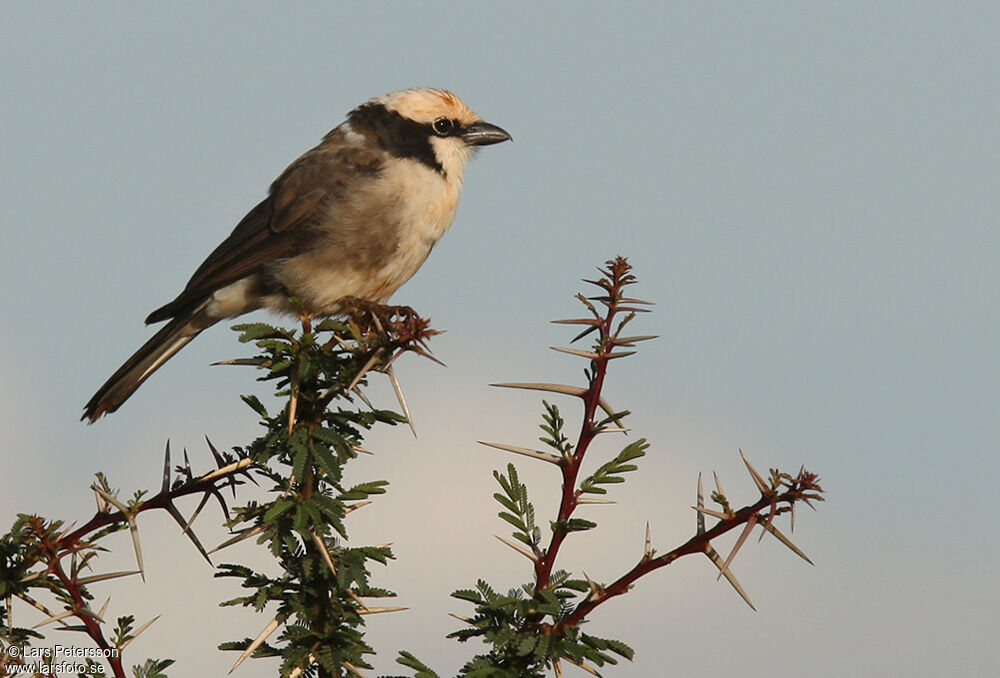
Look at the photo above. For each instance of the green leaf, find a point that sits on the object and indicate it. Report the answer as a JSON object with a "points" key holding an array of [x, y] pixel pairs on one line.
{"points": [[327, 462], [253, 331], [255, 404], [409, 661], [469, 595], [279, 507]]}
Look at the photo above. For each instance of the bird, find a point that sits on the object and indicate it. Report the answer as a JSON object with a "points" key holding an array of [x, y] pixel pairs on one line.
{"points": [[355, 216]]}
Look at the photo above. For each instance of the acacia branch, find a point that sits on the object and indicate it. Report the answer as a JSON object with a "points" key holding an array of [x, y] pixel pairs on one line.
{"points": [[614, 285], [802, 488]]}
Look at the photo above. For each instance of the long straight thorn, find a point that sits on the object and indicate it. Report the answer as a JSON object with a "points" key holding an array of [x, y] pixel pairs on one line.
{"points": [[34, 603], [219, 460], [761, 485], [356, 506], [709, 512], [716, 559], [360, 394], [629, 341], [103, 577], [110, 499], [179, 519], [586, 667], [165, 486], [718, 484], [136, 546], [751, 521], [577, 391], [222, 502], [611, 429], [293, 407], [700, 520], [353, 669], [54, 618], [238, 361], [584, 333], [194, 516], [258, 641], [235, 466], [81, 628], [391, 371], [138, 631], [104, 608], [534, 454], [327, 558], [523, 551], [577, 321], [364, 370], [620, 354], [770, 519], [787, 542], [242, 536], [590, 355], [614, 416]]}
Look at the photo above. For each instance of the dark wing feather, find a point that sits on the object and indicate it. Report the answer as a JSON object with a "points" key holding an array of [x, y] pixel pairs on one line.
{"points": [[272, 230]]}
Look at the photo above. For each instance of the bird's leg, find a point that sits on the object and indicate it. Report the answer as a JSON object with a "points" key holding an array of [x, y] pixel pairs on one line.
{"points": [[306, 323]]}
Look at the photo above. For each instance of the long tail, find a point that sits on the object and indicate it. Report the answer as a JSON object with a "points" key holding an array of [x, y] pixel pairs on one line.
{"points": [[171, 338]]}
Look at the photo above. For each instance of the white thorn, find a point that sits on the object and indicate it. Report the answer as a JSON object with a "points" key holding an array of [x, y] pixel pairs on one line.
{"points": [[391, 371], [520, 549], [534, 454], [138, 631], [552, 388], [268, 630], [103, 577], [590, 355], [324, 552], [226, 470]]}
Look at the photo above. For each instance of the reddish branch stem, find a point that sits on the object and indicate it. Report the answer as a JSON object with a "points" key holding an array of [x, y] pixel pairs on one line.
{"points": [[158, 501], [699, 543], [92, 625], [570, 470], [69, 543]]}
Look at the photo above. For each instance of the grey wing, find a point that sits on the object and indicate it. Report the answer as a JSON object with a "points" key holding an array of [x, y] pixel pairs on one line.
{"points": [[279, 226]]}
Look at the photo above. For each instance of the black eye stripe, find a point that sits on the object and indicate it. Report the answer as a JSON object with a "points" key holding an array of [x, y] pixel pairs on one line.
{"points": [[402, 137]]}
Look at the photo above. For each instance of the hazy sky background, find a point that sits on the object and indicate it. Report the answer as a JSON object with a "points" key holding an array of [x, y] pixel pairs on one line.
{"points": [[809, 191]]}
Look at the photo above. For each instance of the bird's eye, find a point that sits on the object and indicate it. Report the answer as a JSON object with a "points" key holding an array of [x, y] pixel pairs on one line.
{"points": [[443, 127]]}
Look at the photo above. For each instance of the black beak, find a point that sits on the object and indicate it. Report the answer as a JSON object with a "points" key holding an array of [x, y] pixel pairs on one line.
{"points": [[484, 134]]}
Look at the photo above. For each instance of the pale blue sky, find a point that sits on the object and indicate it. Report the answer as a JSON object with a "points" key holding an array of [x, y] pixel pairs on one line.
{"points": [[809, 191]]}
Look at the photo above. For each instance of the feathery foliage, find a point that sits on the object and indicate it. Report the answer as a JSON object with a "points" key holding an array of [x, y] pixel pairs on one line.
{"points": [[315, 602]]}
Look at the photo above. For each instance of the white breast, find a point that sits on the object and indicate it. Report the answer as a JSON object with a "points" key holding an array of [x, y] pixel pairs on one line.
{"points": [[426, 212], [414, 206]]}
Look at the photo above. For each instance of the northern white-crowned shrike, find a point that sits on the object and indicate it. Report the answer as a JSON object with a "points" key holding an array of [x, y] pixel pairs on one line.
{"points": [[355, 216]]}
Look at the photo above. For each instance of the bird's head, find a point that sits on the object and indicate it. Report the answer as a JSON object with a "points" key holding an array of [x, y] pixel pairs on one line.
{"points": [[430, 126]]}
